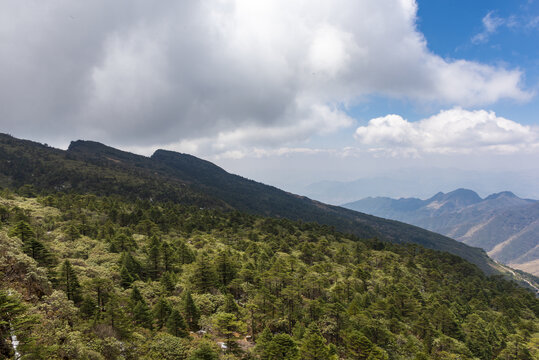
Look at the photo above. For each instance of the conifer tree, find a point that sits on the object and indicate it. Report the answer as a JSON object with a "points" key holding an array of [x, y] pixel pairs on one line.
{"points": [[168, 282], [227, 324], [154, 256], [23, 231], [230, 305], [70, 282], [135, 296], [161, 312], [88, 307], [13, 319], [281, 347], [122, 242], [204, 277], [167, 256], [132, 265], [72, 232], [185, 255], [263, 341], [358, 345], [142, 315], [116, 317], [125, 277], [313, 345], [190, 311], [37, 251], [204, 352], [226, 269], [176, 324]]}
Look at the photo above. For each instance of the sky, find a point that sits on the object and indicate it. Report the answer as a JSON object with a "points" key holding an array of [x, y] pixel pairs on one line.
{"points": [[285, 92]]}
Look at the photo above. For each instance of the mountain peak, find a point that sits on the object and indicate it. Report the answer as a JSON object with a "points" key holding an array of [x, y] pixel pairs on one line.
{"points": [[97, 150], [189, 166], [465, 195], [88, 146], [503, 194], [460, 197]]}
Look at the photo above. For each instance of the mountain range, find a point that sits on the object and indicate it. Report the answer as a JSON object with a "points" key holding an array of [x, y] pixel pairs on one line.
{"points": [[91, 167], [504, 225], [420, 182]]}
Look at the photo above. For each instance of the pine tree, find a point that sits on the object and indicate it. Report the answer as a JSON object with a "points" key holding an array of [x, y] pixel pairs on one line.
{"points": [[153, 258], [135, 296], [167, 256], [37, 251], [72, 232], [184, 253], [23, 231], [176, 325], [204, 352], [227, 324], [142, 315], [378, 354], [262, 343], [161, 312], [70, 283], [190, 311], [125, 277], [230, 305], [226, 268], [313, 345], [13, 318], [122, 242], [204, 277], [116, 317], [168, 282], [281, 347], [358, 345], [132, 265], [88, 307]]}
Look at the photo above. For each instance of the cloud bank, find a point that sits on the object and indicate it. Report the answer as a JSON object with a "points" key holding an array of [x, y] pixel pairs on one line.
{"points": [[455, 131], [220, 73]]}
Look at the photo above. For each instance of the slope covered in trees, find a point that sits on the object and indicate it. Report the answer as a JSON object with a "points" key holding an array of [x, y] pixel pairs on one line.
{"points": [[90, 167], [110, 278]]}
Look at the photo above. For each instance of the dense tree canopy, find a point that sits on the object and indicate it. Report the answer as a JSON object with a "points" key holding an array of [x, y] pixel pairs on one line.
{"points": [[145, 280]]}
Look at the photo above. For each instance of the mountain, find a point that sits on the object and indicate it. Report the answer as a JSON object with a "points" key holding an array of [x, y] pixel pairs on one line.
{"points": [[91, 167], [421, 182], [504, 225]]}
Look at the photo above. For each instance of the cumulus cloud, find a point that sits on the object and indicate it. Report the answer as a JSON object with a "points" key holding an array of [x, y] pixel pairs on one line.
{"points": [[455, 131], [212, 73]]}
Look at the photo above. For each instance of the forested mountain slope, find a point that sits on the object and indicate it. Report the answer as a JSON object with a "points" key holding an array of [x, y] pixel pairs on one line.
{"points": [[90, 167], [89, 277], [504, 225]]}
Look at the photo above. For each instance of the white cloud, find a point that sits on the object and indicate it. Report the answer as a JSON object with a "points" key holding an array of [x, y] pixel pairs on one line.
{"points": [[141, 73], [491, 23], [260, 140], [455, 131]]}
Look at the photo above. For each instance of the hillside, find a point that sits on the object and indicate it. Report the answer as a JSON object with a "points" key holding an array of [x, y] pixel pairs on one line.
{"points": [[107, 278], [503, 224], [90, 167]]}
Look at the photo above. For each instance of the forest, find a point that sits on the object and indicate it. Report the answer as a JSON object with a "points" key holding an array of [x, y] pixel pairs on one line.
{"points": [[109, 277]]}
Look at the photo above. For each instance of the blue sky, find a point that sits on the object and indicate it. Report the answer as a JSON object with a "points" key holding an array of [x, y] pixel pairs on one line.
{"points": [[285, 92], [450, 26]]}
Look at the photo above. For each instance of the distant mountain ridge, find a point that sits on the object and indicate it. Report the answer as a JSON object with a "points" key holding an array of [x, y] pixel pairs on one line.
{"points": [[91, 167], [504, 225]]}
